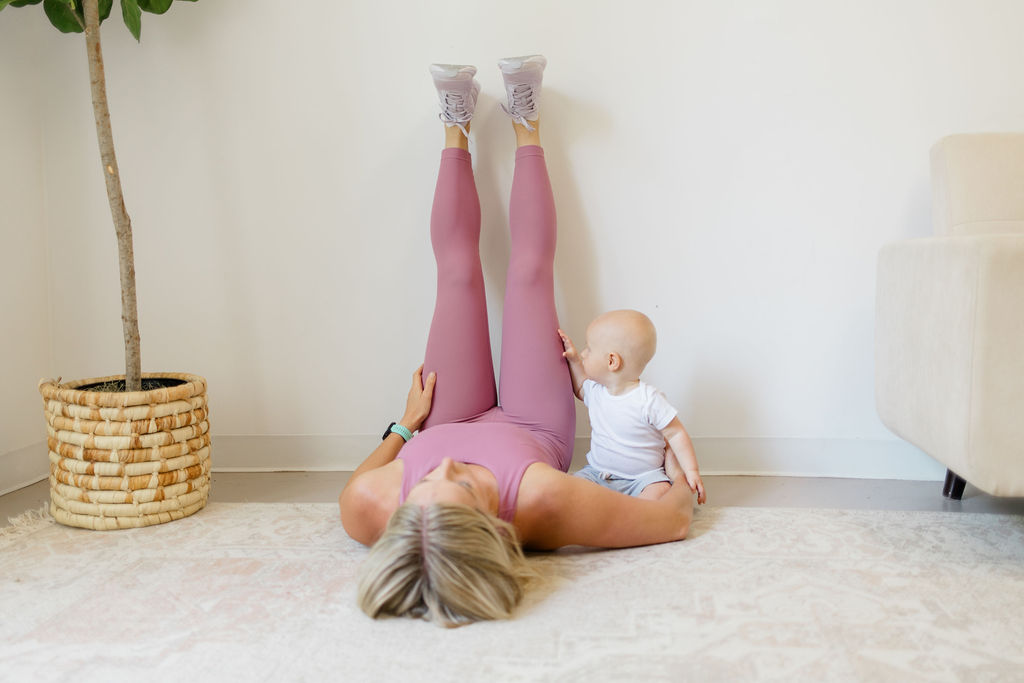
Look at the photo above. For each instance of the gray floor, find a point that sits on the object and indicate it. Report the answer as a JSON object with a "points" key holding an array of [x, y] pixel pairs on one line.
{"points": [[723, 491]]}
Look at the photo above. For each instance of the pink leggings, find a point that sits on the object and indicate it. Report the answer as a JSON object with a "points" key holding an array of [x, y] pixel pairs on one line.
{"points": [[535, 390]]}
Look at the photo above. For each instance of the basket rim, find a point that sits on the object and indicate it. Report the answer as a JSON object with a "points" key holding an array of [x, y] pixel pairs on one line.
{"points": [[68, 392]]}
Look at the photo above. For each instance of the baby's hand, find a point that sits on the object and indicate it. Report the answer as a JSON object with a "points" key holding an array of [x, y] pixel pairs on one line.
{"points": [[696, 485], [570, 353]]}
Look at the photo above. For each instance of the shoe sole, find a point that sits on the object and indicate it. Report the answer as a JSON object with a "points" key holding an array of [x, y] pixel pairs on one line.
{"points": [[511, 65], [452, 71]]}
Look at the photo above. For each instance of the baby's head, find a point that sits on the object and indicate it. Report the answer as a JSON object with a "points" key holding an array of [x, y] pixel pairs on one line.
{"points": [[619, 342]]}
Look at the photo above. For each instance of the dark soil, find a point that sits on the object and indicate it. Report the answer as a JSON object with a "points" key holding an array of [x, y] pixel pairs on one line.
{"points": [[117, 385]]}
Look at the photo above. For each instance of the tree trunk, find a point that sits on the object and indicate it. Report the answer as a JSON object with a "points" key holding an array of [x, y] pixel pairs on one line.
{"points": [[122, 223]]}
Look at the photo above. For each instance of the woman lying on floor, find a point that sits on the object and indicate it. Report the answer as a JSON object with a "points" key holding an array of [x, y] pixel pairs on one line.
{"points": [[446, 511]]}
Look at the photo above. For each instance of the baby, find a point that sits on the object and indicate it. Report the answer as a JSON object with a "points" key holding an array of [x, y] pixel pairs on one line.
{"points": [[630, 419]]}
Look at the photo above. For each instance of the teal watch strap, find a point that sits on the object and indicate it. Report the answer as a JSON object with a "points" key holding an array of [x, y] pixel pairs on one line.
{"points": [[401, 431]]}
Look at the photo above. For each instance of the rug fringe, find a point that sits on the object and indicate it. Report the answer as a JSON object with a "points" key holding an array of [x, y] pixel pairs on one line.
{"points": [[26, 523]]}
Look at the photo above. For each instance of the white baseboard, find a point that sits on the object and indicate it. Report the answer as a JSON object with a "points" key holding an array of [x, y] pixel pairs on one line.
{"points": [[842, 458], [23, 467]]}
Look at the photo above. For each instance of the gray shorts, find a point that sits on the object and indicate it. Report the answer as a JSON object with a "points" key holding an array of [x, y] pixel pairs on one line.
{"points": [[631, 487]]}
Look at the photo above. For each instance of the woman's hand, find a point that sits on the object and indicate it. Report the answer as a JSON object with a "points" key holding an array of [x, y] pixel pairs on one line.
{"points": [[417, 405]]}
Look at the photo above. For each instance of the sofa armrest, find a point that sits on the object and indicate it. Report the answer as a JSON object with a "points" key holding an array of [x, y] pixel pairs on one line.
{"points": [[949, 353]]}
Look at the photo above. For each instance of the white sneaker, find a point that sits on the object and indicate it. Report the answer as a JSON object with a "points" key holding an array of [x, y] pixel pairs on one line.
{"points": [[523, 76], [457, 91]]}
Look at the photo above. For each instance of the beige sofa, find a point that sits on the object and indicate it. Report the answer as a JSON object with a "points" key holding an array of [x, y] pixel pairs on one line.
{"points": [[949, 327]]}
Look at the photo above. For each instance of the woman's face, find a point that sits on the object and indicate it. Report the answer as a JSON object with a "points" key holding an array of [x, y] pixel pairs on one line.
{"points": [[455, 482]]}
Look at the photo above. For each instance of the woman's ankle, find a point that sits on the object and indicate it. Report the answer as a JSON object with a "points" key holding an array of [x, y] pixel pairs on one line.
{"points": [[525, 136], [454, 137]]}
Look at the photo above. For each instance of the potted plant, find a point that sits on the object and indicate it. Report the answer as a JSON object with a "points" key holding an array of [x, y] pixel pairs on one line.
{"points": [[126, 450]]}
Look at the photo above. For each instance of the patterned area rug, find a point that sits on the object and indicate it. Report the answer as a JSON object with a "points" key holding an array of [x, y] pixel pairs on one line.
{"points": [[265, 592]]}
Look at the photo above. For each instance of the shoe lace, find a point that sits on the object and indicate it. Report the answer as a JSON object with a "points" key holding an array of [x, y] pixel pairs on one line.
{"points": [[521, 105], [522, 98], [454, 111]]}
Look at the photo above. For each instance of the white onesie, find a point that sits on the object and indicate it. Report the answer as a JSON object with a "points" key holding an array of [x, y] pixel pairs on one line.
{"points": [[626, 439]]}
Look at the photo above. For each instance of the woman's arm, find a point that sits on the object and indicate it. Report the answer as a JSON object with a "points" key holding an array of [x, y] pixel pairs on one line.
{"points": [[362, 501], [558, 510], [417, 407]]}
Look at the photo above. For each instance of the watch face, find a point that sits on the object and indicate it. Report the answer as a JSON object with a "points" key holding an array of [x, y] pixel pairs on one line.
{"points": [[388, 431]]}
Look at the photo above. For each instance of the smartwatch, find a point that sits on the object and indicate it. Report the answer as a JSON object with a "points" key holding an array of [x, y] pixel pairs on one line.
{"points": [[395, 428]]}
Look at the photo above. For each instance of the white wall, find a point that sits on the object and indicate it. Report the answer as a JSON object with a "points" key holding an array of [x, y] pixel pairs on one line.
{"points": [[24, 304], [730, 168]]}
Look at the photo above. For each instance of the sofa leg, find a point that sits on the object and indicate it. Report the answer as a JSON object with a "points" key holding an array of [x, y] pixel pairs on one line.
{"points": [[953, 486]]}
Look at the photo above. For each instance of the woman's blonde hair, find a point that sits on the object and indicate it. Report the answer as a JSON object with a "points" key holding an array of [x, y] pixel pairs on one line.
{"points": [[450, 564]]}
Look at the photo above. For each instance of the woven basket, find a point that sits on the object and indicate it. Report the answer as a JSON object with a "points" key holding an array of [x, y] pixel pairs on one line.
{"points": [[120, 460]]}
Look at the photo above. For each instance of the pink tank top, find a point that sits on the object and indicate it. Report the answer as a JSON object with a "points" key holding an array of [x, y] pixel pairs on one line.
{"points": [[506, 449]]}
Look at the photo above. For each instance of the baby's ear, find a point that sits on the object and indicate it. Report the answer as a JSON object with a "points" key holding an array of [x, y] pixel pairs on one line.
{"points": [[614, 362]]}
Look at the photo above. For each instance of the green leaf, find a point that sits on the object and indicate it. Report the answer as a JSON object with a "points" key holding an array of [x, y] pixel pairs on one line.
{"points": [[4, 3], [62, 16], [132, 16], [22, 3], [155, 6], [105, 6]]}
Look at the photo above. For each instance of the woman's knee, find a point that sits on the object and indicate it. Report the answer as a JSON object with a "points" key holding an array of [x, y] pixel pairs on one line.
{"points": [[460, 268], [531, 270]]}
